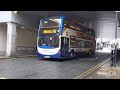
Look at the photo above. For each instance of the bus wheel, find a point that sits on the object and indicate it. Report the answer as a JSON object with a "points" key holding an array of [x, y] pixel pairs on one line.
{"points": [[90, 53], [72, 54]]}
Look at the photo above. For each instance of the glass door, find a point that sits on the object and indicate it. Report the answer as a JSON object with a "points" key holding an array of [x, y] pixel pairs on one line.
{"points": [[65, 46]]}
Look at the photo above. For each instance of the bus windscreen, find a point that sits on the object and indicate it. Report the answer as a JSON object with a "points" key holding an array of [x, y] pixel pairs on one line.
{"points": [[51, 22]]}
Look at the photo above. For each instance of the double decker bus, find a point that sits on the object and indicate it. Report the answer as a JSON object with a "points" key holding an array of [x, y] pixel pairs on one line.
{"points": [[63, 37]]}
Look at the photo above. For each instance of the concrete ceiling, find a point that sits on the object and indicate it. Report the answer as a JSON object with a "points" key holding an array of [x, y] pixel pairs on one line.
{"points": [[79, 14], [82, 15]]}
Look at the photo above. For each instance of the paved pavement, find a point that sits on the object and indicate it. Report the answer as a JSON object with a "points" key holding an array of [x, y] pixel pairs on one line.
{"points": [[106, 72], [4, 57], [33, 68]]}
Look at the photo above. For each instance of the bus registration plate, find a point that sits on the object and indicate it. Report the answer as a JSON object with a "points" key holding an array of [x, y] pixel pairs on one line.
{"points": [[46, 56]]}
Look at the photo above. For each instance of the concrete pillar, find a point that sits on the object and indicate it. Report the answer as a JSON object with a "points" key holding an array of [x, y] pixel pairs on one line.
{"points": [[11, 38]]}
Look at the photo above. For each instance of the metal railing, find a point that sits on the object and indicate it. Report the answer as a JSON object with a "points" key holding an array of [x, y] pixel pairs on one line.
{"points": [[26, 50]]}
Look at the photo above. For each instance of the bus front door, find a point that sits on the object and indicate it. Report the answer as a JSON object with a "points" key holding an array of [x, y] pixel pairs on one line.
{"points": [[65, 47]]}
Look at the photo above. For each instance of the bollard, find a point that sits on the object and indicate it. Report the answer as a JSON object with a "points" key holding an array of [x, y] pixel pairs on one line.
{"points": [[113, 58], [118, 54]]}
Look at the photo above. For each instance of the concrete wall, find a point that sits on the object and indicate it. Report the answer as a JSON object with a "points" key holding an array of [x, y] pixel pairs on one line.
{"points": [[26, 38], [3, 39], [105, 24], [5, 16], [105, 29]]}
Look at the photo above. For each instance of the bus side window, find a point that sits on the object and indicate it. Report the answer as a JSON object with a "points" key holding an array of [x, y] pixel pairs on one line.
{"points": [[66, 23], [82, 44], [79, 44]]}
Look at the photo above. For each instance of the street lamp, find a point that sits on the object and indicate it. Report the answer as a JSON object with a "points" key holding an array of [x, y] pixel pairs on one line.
{"points": [[115, 59]]}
